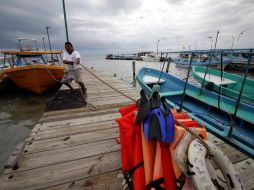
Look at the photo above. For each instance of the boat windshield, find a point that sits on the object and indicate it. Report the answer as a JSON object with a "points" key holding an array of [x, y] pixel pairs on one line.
{"points": [[30, 59], [5, 62]]}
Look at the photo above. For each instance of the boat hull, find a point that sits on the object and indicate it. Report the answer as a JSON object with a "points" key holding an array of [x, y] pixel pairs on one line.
{"points": [[242, 66], [37, 78], [218, 117], [186, 62], [157, 59], [230, 83]]}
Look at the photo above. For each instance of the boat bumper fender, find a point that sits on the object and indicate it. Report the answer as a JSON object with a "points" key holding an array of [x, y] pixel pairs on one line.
{"points": [[201, 178]]}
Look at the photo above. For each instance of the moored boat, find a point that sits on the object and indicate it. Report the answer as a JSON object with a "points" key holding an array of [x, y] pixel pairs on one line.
{"points": [[151, 57], [221, 115], [230, 84], [183, 59], [30, 70]]}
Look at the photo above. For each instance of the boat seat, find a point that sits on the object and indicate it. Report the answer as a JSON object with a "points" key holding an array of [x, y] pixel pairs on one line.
{"points": [[216, 79], [152, 80], [171, 93]]}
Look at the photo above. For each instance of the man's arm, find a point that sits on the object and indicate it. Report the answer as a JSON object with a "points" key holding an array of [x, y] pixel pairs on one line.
{"points": [[68, 62], [78, 60]]}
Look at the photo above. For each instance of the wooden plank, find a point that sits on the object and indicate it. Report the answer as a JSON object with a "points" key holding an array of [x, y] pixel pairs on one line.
{"points": [[50, 176], [213, 139], [112, 96], [100, 182], [123, 89], [245, 168], [95, 90], [70, 140], [95, 85], [71, 130], [233, 154], [72, 115], [115, 97], [73, 122], [115, 102], [113, 105], [73, 111], [67, 154], [99, 94]]}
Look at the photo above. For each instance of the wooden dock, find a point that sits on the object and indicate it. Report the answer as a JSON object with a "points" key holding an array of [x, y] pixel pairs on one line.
{"points": [[77, 148]]}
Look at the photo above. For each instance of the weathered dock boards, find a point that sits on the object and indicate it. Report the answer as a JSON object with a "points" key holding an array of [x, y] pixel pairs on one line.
{"points": [[76, 148]]}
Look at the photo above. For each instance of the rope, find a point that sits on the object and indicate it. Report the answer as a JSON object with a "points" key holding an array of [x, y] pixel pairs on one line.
{"points": [[196, 136], [48, 104], [92, 107], [53, 75], [109, 84]]}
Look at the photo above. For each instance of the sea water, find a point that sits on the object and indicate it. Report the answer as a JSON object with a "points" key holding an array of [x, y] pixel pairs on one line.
{"points": [[19, 111]]}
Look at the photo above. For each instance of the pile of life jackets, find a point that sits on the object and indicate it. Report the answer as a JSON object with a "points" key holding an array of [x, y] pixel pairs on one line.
{"points": [[162, 149], [148, 156]]}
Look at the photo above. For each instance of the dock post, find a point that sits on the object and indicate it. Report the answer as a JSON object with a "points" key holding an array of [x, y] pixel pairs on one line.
{"points": [[134, 73], [169, 59]]}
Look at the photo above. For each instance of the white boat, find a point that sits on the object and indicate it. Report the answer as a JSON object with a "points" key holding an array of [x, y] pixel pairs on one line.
{"points": [[151, 57]]}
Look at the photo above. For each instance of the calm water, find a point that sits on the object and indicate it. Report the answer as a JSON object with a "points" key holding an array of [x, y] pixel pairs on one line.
{"points": [[19, 111], [123, 68]]}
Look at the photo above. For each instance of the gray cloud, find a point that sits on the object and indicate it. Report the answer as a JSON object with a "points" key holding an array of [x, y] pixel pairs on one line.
{"points": [[103, 26]]}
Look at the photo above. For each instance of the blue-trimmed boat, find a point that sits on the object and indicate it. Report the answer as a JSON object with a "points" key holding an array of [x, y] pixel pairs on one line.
{"points": [[238, 58], [228, 119], [198, 59]]}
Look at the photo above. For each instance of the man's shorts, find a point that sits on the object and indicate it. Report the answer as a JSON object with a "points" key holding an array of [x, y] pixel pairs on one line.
{"points": [[72, 75]]}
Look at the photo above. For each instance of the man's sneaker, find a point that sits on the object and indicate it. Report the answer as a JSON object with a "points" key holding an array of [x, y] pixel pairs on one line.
{"points": [[84, 93], [85, 97]]}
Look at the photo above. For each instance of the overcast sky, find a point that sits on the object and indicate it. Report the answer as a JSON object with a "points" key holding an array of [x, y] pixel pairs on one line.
{"points": [[128, 26]]}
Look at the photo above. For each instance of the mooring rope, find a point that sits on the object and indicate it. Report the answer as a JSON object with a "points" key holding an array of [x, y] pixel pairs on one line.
{"points": [[91, 106], [196, 136], [125, 95]]}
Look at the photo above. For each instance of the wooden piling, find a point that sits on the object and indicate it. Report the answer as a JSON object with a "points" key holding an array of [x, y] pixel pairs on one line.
{"points": [[168, 64], [134, 73]]}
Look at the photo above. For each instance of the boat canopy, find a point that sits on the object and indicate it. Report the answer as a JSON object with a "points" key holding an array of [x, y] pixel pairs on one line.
{"points": [[238, 51], [20, 58], [30, 52]]}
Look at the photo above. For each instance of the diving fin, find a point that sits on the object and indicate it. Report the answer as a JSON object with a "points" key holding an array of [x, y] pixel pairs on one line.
{"points": [[159, 123], [155, 100], [154, 131], [164, 104], [143, 107]]}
